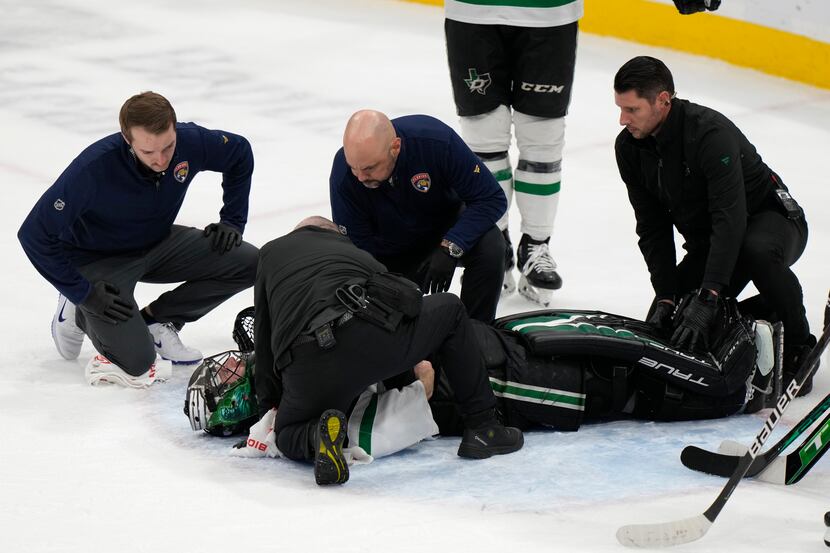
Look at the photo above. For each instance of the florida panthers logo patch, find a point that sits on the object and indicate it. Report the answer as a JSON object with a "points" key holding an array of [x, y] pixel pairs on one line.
{"points": [[421, 182], [181, 170]]}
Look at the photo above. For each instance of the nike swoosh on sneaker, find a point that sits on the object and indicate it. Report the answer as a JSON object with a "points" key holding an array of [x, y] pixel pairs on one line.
{"points": [[61, 318]]}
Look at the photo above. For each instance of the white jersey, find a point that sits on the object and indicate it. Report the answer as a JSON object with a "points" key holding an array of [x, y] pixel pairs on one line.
{"points": [[518, 13]]}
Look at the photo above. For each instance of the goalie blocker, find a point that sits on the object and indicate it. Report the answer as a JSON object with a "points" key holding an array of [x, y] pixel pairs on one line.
{"points": [[554, 368]]}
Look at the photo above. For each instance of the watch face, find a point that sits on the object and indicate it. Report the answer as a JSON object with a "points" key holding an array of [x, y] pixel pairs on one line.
{"points": [[455, 251]]}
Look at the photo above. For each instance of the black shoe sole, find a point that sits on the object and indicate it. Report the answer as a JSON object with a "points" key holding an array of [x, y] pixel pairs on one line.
{"points": [[329, 463], [475, 451]]}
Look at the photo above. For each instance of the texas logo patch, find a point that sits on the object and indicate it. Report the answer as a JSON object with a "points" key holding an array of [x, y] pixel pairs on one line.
{"points": [[421, 182], [181, 170]]}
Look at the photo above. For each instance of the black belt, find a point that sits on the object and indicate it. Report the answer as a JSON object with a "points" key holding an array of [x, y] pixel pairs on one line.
{"points": [[308, 338]]}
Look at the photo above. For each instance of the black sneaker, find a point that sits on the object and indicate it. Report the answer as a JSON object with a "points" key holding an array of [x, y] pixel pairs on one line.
{"points": [[488, 439], [329, 463], [793, 358]]}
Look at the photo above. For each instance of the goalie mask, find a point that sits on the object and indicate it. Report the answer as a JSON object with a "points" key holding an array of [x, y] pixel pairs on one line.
{"points": [[220, 399]]}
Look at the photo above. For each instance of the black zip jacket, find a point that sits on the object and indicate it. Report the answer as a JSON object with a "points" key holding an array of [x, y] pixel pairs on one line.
{"points": [[701, 175], [295, 291]]}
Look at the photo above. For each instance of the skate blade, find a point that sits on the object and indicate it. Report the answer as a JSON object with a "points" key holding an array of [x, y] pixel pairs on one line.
{"points": [[508, 285], [540, 296]]}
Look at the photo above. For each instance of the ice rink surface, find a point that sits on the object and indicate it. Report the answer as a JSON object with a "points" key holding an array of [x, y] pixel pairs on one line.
{"points": [[108, 469]]}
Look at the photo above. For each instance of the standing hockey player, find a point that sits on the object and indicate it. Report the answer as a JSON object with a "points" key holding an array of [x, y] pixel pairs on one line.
{"points": [[412, 194], [689, 167], [107, 223], [512, 63]]}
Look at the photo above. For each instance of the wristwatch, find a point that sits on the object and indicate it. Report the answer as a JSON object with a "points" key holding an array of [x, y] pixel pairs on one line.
{"points": [[452, 249]]}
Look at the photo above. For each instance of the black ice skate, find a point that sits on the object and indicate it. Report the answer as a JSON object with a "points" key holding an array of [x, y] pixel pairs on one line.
{"points": [[329, 463], [539, 277]]}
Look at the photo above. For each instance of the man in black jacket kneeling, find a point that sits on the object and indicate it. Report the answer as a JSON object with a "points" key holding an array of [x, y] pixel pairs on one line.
{"points": [[317, 350], [689, 167]]}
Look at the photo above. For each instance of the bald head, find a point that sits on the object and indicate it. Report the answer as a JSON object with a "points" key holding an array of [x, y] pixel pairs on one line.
{"points": [[371, 147], [317, 221]]}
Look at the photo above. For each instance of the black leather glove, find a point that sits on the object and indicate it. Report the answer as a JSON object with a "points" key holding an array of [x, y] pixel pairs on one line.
{"points": [[660, 315], [104, 302], [687, 7], [694, 321], [225, 236], [439, 267]]}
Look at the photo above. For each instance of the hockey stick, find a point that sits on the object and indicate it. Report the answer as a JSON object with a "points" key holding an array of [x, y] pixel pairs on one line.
{"points": [[694, 528], [723, 463], [792, 467]]}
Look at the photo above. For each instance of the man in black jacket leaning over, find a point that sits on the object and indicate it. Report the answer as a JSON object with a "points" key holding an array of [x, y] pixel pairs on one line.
{"points": [[314, 358], [690, 167]]}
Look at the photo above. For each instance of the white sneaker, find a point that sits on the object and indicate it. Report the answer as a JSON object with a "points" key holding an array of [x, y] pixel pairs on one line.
{"points": [[169, 346], [101, 370], [68, 337]]}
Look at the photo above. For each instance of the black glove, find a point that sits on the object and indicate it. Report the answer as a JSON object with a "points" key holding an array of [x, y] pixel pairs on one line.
{"points": [[694, 321], [439, 267], [687, 7], [660, 315], [104, 302], [225, 236]]}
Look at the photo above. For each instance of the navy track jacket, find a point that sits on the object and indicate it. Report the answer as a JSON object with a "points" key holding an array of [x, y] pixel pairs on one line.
{"points": [[103, 205], [436, 176]]}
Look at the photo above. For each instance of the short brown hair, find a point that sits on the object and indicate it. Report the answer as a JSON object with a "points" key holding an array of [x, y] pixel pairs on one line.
{"points": [[149, 110], [646, 76]]}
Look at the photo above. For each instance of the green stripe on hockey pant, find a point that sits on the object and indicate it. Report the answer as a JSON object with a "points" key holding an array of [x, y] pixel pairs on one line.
{"points": [[383, 423], [537, 394], [367, 423]]}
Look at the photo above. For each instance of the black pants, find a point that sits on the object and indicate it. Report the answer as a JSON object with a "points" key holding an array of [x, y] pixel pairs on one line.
{"points": [[772, 243], [184, 256], [317, 379], [483, 273], [528, 68]]}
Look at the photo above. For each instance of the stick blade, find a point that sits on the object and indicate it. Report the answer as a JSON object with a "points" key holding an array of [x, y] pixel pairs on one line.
{"points": [[664, 534], [703, 460]]}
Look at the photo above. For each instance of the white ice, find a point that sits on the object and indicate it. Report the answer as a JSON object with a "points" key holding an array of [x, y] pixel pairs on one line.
{"points": [[108, 469]]}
